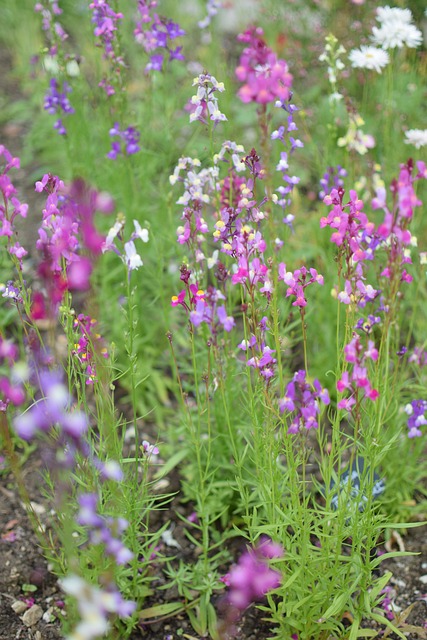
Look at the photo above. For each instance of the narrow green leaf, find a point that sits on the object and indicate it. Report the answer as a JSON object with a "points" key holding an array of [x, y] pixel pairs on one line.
{"points": [[161, 610]]}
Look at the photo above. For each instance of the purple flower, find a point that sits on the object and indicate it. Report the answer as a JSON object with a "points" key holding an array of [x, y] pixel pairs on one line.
{"points": [[56, 100], [155, 32], [303, 399], [416, 410], [52, 410], [127, 143], [252, 577], [227, 322]]}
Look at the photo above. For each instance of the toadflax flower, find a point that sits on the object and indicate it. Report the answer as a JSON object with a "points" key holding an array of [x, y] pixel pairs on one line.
{"points": [[369, 58], [266, 78], [94, 606], [205, 99], [252, 577]]}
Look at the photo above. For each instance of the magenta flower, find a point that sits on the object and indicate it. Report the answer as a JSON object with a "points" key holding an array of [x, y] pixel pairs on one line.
{"points": [[357, 379], [266, 78], [252, 577]]}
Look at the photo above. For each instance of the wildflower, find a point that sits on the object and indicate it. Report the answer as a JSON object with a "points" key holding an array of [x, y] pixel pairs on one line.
{"points": [[417, 137], [369, 58], [331, 55], [332, 179], [105, 20], [51, 411], [303, 399], [56, 100], [132, 258], [94, 607], [154, 32], [252, 577], [358, 378], [298, 281], [396, 29], [212, 8], [266, 78], [205, 99], [125, 142], [355, 139], [149, 449], [103, 530], [415, 411]]}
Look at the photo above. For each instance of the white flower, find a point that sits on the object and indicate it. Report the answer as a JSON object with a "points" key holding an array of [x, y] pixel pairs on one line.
{"points": [[396, 29], [133, 259], [369, 58], [394, 14], [140, 233], [112, 234], [417, 137]]}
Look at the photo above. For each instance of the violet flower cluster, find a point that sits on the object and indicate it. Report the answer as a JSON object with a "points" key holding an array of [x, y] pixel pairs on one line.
{"points": [[394, 231], [262, 358], [266, 78], [155, 34], [333, 178], [10, 206], [302, 400], [56, 102], [415, 411], [52, 410], [125, 142], [106, 22], [356, 380], [252, 577], [49, 10], [102, 530]]}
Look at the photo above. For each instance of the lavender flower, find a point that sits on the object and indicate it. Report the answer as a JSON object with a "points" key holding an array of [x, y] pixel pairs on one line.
{"points": [[332, 179], [51, 410], [415, 411], [102, 530], [127, 143], [56, 100], [302, 399], [154, 32]]}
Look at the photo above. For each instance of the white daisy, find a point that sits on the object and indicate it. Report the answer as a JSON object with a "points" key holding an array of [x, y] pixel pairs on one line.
{"points": [[394, 14], [417, 137], [369, 58], [396, 29]]}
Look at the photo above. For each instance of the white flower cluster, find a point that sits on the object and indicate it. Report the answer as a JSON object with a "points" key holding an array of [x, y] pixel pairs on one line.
{"points": [[396, 29], [198, 185], [417, 137]]}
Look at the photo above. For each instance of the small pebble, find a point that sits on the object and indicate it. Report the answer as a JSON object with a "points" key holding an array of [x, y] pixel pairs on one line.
{"points": [[19, 607], [32, 616], [423, 579]]}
